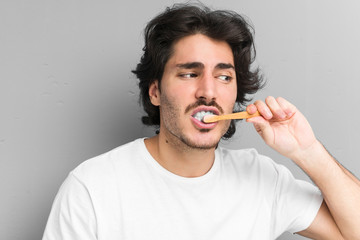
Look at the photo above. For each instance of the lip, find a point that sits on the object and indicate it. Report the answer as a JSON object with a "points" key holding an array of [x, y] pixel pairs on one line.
{"points": [[206, 109], [201, 125]]}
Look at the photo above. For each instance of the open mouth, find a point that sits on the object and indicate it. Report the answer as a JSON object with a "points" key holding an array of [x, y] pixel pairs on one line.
{"points": [[201, 114]]}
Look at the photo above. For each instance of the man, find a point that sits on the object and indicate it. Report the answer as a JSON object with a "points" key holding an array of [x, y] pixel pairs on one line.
{"points": [[179, 184]]}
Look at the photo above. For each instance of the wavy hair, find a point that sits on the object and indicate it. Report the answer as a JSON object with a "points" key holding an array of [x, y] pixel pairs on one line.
{"points": [[182, 20]]}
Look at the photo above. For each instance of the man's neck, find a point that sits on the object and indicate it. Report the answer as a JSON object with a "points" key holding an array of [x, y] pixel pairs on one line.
{"points": [[180, 159]]}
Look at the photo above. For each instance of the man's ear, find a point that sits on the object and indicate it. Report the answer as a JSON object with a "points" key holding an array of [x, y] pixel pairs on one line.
{"points": [[154, 93]]}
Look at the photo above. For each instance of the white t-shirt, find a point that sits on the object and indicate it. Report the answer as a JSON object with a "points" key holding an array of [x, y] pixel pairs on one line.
{"points": [[125, 194]]}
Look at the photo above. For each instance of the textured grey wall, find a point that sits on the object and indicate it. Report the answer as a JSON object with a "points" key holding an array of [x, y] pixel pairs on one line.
{"points": [[67, 93]]}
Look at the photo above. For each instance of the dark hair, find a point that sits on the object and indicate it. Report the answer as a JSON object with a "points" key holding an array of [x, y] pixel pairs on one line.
{"points": [[183, 20]]}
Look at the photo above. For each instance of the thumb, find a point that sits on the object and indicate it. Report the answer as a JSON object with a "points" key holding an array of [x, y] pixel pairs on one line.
{"points": [[262, 126]]}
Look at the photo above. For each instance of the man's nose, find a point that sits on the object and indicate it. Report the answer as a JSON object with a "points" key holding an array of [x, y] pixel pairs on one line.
{"points": [[206, 88]]}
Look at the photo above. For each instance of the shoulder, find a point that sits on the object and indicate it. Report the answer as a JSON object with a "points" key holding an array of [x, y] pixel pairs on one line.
{"points": [[107, 164], [247, 158], [252, 166]]}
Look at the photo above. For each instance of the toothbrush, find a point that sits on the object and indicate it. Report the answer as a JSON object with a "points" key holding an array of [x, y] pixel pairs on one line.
{"points": [[238, 115]]}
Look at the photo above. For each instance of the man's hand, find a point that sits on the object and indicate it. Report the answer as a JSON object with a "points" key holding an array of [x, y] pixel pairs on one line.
{"points": [[287, 131], [282, 127]]}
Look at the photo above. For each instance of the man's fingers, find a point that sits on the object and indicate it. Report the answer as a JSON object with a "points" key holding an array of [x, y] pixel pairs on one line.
{"points": [[275, 108], [263, 109], [287, 107], [278, 108], [251, 109]]}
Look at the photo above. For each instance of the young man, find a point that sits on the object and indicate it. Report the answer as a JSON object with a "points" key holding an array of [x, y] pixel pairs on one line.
{"points": [[179, 184]]}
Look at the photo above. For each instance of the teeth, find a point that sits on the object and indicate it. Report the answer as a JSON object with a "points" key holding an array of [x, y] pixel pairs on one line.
{"points": [[200, 115]]}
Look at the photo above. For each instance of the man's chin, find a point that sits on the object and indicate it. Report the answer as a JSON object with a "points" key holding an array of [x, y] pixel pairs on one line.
{"points": [[201, 144]]}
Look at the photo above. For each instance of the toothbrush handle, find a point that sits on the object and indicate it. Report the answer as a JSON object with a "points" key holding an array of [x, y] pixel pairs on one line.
{"points": [[238, 115]]}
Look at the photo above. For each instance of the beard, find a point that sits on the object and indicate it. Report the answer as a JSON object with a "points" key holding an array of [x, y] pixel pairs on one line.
{"points": [[171, 113]]}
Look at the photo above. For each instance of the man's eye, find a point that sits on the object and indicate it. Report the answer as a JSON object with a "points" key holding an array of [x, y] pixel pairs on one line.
{"points": [[188, 75], [225, 78]]}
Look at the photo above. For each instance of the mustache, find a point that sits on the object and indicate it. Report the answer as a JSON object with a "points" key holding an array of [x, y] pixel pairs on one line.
{"points": [[202, 102]]}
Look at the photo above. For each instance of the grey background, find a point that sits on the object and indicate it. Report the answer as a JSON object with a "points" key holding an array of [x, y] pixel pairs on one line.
{"points": [[67, 93]]}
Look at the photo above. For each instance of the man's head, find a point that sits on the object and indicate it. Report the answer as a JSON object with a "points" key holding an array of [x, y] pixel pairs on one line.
{"points": [[180, 21]]}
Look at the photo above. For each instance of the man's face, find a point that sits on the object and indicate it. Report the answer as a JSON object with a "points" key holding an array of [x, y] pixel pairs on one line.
{"points": [[198, 77]]}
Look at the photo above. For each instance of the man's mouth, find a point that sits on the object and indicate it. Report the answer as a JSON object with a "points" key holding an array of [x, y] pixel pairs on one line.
{"points": [[201, 114]]}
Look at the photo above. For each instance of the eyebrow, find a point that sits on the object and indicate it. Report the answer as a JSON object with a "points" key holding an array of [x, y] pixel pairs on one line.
{"points": [[225, 66], [192, 65]]}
